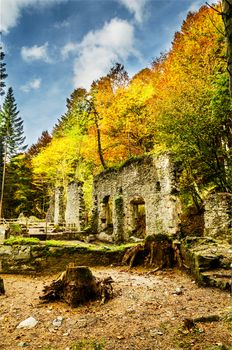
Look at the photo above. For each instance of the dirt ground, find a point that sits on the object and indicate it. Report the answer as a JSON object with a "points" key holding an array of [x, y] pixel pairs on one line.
{"points": [[147, 312]]}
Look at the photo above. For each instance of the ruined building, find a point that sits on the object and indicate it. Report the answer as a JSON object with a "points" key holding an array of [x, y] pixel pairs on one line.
{"points": [[69, 207], [138, 199]]}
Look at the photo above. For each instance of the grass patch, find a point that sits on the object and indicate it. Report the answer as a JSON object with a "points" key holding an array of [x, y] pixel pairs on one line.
{"points": [[56, 243], [88, 345], [21, 241], [122, 247]]}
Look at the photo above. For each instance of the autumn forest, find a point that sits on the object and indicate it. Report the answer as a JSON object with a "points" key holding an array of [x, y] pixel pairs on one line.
{"points": [[181, 104]]}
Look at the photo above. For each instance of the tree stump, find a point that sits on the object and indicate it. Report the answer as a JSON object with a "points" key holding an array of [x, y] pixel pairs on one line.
{"points": [[79, 285], [76, 286], [157, 251], [131, 254], [2, 289]]}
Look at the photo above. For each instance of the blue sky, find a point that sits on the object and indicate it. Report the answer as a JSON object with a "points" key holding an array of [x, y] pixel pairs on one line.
{"points": [[54, 46]]}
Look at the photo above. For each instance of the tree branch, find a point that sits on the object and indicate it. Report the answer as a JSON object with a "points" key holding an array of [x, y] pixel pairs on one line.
{"points": [[220, 13]]}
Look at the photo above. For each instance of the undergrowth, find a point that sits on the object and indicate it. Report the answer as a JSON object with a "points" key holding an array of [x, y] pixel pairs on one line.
{"points": [[21, 241]]}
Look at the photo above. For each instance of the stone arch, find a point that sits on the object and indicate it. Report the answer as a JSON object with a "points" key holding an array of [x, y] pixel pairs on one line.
{"points": [[138, 216]]}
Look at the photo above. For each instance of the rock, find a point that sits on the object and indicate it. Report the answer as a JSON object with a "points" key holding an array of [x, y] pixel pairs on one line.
{"points": [[30, 322], [104, 237], [23, 344], [90, 238], [206, 261], [178, 291], [24, 253], [135, 239], [82, 322], [67, 333], [155, 332], [57, 322]]}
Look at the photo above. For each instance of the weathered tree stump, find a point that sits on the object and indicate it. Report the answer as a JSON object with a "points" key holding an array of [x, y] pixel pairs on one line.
{"points": [[131, 254], [2, 289], [157, 251], [77, 285]]}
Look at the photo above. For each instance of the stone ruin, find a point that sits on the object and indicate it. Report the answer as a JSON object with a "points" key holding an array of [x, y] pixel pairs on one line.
{"points": [[68, 208], [139, 199], [218, 215]]}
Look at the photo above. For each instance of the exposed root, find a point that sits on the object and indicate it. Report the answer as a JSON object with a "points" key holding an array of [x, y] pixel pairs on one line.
{"points": [[77, 286], [131, 254]]}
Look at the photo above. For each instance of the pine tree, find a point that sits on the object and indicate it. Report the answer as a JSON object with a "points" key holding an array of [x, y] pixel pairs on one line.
{"points": [[12, 137], [3, 76], [12, 126]]}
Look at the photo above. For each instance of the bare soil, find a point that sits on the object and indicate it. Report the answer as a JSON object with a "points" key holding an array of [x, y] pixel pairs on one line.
{"points": [[148, 312]]}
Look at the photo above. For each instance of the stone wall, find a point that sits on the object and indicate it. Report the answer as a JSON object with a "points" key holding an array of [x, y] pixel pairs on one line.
{"points": [[48, 259], [218, 215], [75, 208], [142, 192], [58, 206], [68, 206]]}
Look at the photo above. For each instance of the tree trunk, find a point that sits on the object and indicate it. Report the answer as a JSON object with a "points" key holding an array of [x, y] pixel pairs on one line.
{"points": [[227, 19], [99, 147], [3, 182], [2, 289]]}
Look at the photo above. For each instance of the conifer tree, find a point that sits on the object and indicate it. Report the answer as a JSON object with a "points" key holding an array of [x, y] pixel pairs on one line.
{"points": [[12, 126], [11, 135], [3, 74]]}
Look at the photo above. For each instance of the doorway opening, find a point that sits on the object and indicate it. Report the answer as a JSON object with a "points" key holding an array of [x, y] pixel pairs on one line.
{"points": [[138, 211]]}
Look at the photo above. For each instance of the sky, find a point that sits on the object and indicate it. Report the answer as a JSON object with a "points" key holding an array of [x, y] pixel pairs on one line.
{"points": [[55, 46]]}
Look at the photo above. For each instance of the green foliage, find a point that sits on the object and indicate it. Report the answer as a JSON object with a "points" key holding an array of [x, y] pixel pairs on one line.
{"points": [[21, 241], [119, 203], [3, 74], [181, 104], [88, 345], [15, 228], [12, 140], [55, 243], [19, 189], [11, 126]]}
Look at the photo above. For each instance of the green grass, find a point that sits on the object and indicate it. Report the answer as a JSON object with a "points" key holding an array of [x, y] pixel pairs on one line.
{"points": [[21, 241], [88, 345], [56, 243]]}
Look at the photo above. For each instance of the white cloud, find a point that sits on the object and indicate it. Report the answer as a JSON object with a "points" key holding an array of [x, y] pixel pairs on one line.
{"points": [[136, 7], [69, 48], [31, 85], [11, 11], [35, 53], [62, 24], [99, 49]]}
